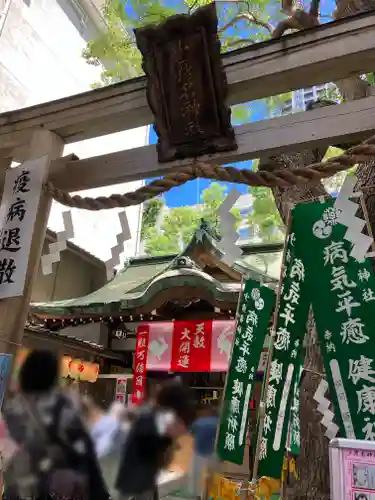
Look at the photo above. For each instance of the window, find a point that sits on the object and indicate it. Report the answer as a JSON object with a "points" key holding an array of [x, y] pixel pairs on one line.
{"points": [[243, 232], [244, 211], [298, 99], [309, 101], [80, 13], [287, 108], [251, 232]]}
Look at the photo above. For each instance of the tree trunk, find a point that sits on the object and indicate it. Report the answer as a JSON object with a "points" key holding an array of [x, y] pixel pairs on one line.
{"points": [[313, 462], [312, 465]]}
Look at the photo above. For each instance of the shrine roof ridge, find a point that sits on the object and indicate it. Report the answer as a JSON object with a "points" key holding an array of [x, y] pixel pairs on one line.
{"points": [[247, 248], [133, 290]]}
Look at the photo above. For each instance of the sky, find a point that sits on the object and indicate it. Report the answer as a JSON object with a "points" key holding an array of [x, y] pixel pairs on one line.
{"points": [[190, 193]]}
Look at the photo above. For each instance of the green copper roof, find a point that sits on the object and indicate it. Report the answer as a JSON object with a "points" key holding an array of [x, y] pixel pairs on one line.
{"points": [[113, 300], [130, 279], [143, 278]]}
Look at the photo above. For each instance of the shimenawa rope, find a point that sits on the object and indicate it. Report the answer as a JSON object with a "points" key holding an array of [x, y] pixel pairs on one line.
{"points": [[279, 178]]}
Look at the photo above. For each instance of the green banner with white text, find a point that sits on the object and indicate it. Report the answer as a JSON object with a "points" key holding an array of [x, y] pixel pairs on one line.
{"points": [[256, 308], [342, 292], [290, 330]]}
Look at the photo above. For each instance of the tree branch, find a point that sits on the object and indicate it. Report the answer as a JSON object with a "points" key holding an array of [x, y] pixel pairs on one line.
{"points": [[240, 41], [314, 9], [341, 8], [250, 18], [298, 19], [193, 6]]}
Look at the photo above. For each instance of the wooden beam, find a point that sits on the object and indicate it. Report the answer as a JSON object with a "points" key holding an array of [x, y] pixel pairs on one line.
{"points": [[348, 122], [332, 51]]}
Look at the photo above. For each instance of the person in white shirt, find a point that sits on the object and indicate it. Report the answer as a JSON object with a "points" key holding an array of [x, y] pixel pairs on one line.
{"points": [[133, 447]]}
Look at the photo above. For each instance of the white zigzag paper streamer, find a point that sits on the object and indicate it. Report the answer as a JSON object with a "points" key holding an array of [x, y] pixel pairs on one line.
{"points": [[117, 250], [347, 210], [229, 235], [57, 247], [323, 407]]}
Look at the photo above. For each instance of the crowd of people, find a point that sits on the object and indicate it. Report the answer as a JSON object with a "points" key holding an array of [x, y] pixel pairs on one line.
{"points": [[59, 445]]}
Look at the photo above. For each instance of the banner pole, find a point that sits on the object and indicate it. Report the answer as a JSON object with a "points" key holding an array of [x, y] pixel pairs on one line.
{"points": [[262, 404], [211, 466], [285, 475], [284, 481], [284, 485]]}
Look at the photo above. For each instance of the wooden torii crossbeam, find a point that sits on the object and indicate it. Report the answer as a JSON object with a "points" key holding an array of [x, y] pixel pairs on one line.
{"points": [[330, 52], [349, 122], [327, 53]]}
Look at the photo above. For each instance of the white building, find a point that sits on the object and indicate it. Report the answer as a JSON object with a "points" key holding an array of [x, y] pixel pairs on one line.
{"points": [[41, 42], [303, 97]]}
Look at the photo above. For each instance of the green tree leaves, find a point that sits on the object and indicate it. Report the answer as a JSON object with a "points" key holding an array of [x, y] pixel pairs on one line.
{"points": [[151, 211], [264, 216], [240, 24], [171, 233]]}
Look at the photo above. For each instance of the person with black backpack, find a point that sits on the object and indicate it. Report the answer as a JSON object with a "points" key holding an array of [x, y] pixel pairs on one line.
{"points": [[149, 445], [135, 446], [55, 457]]}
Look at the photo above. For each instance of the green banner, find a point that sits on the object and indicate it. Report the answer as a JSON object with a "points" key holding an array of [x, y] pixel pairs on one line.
{"points": [[342, 293], [290, 330], [253, 320], [294, 431]]}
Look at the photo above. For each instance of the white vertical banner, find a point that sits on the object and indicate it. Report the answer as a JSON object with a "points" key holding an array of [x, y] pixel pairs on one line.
{"points": [[18, 210]]}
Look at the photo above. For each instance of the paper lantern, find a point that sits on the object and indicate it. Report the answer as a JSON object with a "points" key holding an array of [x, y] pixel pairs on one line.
{"points": [[69, 367], [80, 370], [90, 372], [74, 371], [65, 366]]}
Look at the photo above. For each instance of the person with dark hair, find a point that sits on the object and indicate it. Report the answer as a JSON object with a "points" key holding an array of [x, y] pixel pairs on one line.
{"points": [[56, 457], [39, 373], [133, 460], [173, 395], [149, 446]]}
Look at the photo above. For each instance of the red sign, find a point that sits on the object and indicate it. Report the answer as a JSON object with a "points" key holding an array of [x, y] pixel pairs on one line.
{"points": [[164, 343], [140, 362], [191, 348]]}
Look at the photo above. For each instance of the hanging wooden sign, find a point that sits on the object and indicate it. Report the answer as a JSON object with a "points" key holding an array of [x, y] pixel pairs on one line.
{"points": [[186, 85], [18, 213]]}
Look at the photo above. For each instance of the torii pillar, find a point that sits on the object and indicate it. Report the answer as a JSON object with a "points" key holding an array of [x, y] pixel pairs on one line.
{"points": [[13, 311]]}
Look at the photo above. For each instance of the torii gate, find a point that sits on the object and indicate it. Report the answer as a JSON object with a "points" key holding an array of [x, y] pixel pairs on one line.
{"points": [[315, 56]]}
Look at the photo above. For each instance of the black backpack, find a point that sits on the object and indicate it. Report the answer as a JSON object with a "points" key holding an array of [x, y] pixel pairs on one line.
{"points": [[40, 466], [143, 456]]}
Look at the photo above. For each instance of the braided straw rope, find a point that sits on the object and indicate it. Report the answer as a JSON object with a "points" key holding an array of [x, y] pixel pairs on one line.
{"points": [[279, 178]]}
